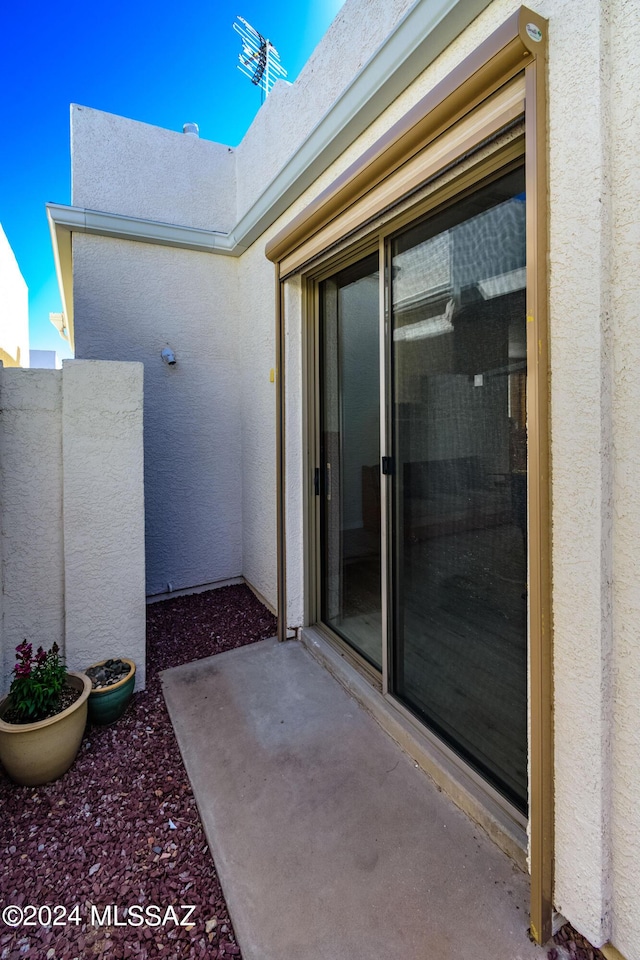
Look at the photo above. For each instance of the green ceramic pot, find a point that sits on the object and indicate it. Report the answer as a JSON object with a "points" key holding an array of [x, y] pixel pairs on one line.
{"points": [[109, 703]]}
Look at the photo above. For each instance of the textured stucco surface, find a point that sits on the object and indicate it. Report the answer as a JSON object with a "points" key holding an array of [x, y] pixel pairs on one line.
{"points": [[581, 488], [624, 159], [292, 110], [257, 408], [103, 509], [31, 548], [14, 309], [122, 166], [132, 300], [72, 526]]}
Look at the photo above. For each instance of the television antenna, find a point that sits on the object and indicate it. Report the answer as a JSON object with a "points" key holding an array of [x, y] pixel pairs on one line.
{"points": [[259, 60]]}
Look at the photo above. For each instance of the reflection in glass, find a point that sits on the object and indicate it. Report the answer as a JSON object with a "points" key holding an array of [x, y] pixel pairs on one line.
{"points": [[459, 489], [350, 457]]}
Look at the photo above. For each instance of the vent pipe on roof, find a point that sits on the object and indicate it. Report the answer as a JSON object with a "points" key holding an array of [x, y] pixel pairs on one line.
{"points": [[192, 129]]}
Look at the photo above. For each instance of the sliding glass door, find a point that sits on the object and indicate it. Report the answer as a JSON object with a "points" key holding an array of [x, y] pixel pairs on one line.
{"points": [[458, 346], [454, 478], [348, 478]]}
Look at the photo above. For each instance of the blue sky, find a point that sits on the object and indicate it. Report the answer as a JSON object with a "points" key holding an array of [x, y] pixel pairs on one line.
{"points": [[162, 63]]}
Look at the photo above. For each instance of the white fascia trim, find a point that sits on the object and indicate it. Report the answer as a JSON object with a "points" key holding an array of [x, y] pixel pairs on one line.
{"points": [[99, 223]]}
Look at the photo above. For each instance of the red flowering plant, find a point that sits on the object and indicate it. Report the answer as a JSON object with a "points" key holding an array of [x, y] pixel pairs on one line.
{"points": [[38, 683]]}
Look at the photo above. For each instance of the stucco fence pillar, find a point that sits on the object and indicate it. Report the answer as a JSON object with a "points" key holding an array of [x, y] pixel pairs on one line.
{"points": [[72, 501]]}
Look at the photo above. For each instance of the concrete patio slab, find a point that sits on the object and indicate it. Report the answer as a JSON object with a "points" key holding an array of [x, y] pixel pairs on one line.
{"points": [[330, 842]]}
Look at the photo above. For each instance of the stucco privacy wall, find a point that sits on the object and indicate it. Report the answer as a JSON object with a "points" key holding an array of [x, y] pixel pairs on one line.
{"points": [[14, 309], [103, 509], [31, 544], [72, 536], [132, 300]]}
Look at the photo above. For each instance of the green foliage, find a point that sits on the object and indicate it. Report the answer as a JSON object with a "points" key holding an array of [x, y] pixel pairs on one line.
{"points": [[38, 682]]}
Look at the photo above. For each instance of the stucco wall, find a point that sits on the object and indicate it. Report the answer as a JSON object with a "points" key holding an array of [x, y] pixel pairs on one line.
{"points": [[624, 165], [132, 300], [72, 535], [103, 510], [581, 488], [31, 544], [257, 409], [14, 309], [122, 166], [292, 110]]}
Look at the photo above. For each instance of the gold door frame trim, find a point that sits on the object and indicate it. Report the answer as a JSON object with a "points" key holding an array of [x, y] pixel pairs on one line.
{"points": [[281, 504], [500, 57], [519, 45], [486, 122], [541, 799]]}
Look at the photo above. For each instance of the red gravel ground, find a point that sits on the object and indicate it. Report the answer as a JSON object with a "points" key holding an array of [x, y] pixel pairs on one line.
{"points": [[570, 945], [121, 827]]}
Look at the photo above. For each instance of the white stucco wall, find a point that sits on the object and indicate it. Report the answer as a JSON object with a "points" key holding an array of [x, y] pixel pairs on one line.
{"points": [[581, 491], [624, 172], [132, 300], [122, 166], [14, 309], [31, 545], [103, 511], [257, 409], [72, 531], [292, 110]]}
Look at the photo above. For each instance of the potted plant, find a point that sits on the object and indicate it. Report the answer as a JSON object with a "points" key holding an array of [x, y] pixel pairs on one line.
{"points": [[43, 717], [112, 687]]}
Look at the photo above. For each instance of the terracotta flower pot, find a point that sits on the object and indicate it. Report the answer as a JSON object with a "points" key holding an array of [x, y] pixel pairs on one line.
{"points": [[107, 704], [36, 753]]}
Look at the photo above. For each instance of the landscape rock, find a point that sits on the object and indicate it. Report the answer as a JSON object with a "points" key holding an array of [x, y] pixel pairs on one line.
{"points": [[127, 783]]}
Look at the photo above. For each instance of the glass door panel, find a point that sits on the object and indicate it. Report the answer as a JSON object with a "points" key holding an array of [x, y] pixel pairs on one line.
{"points": [[458, 352], [349, 482]]}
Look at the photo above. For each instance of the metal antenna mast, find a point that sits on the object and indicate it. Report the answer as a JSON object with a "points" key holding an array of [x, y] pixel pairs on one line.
{"points": [[259, 60]]}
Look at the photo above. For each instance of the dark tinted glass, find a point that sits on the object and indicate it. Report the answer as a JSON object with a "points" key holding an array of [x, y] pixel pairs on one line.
{"points": [[459, 487]]}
